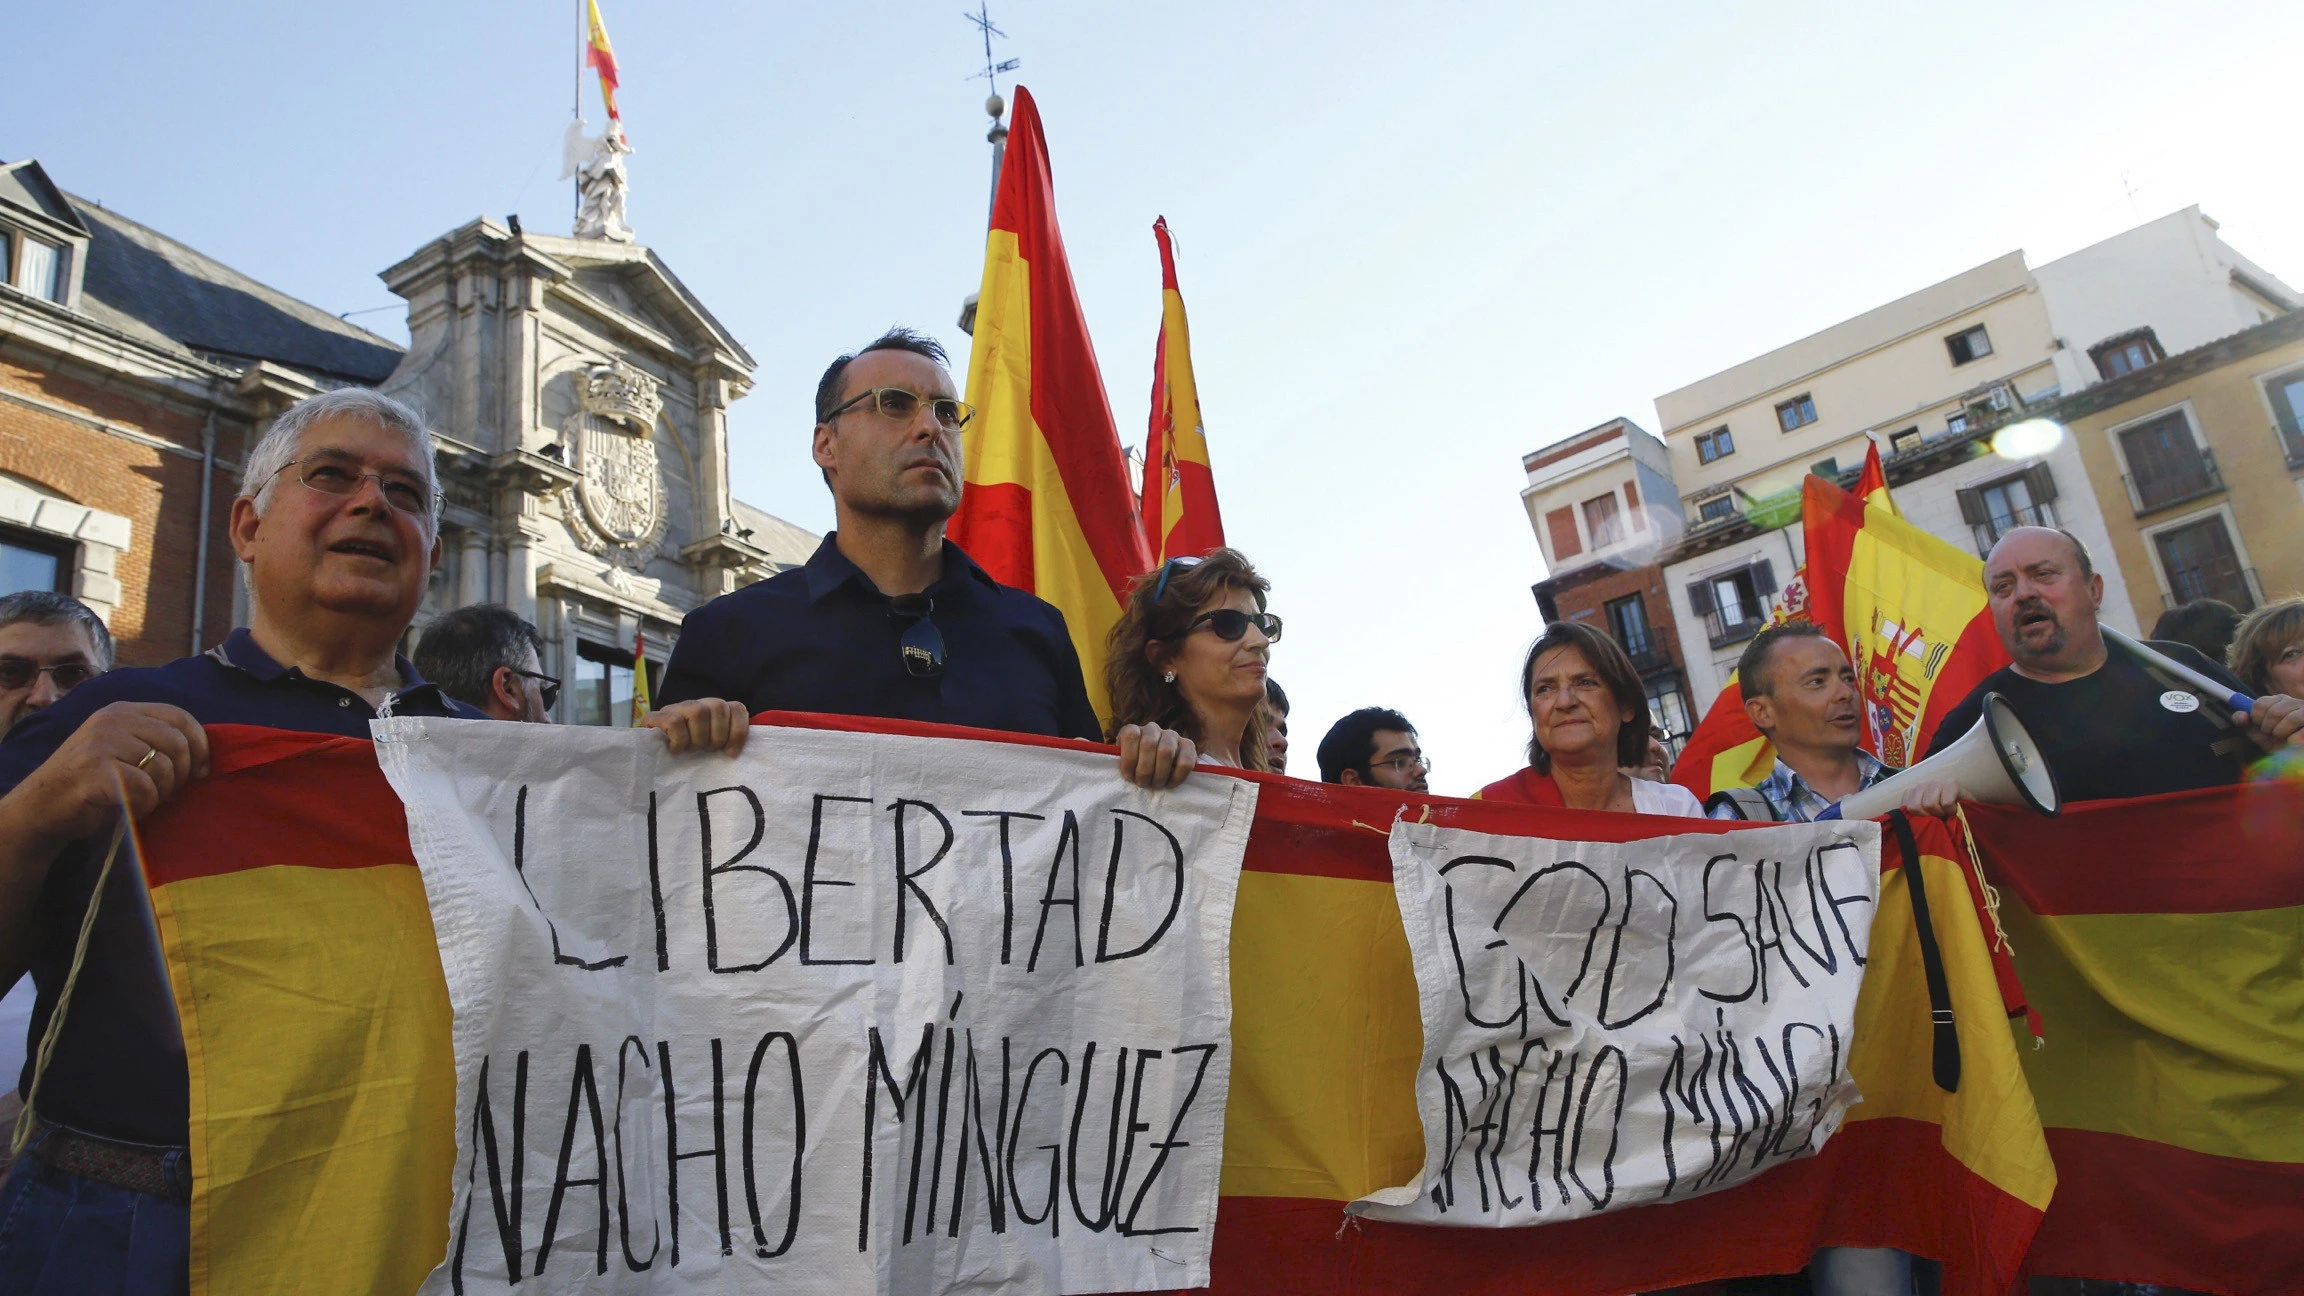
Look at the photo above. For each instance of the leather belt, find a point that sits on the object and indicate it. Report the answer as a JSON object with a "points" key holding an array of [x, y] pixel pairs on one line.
{"points": [[163, 1172]]}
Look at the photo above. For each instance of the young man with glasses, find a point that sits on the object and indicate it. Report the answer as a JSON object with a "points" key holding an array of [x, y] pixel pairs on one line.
{"points": [[50, 643], [488, 656], [888, 618], [1374, 747]]}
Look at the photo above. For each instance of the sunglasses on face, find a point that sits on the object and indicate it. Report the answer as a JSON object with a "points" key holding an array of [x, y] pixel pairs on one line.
{"points": [[548, 687], [1230, 624], [19, 672], [922, 644], [901, 405]]}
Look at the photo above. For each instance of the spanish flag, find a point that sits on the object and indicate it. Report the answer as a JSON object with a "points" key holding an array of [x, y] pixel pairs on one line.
{"points": [[1909, 610], [1724, 750], [641, 701], [2161, 940], [1046, 504], [600, 56], [1179, 502], [316, 1020]]}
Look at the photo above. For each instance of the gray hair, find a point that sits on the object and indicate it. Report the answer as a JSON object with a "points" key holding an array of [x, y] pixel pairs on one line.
{"points": [[461, 650], [277, 449], [47, 607]]}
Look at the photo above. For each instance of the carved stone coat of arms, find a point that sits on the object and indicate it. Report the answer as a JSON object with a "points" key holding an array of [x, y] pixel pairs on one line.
{"points": [[618, 503]]}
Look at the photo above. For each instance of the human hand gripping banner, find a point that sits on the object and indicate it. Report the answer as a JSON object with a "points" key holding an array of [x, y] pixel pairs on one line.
{"points": [[843, 1014], [1608, 1024]]}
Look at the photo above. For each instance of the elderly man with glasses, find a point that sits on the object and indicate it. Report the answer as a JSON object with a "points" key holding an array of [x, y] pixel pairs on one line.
{"points": [[888, 618], [50, 644], [337, 524]]}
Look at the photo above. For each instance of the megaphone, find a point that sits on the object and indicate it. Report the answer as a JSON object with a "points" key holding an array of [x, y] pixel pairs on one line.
{"points": [[1995, 763]]}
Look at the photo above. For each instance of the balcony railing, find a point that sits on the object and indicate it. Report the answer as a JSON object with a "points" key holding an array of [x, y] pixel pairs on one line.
{"points": [[2220, 579], [1988, 534], [1724, 632], [2163, 485], [1647, 654]]}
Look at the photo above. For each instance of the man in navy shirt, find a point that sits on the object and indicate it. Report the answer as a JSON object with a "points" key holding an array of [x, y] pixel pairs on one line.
{"points": [[889, 618], [337, 522]]}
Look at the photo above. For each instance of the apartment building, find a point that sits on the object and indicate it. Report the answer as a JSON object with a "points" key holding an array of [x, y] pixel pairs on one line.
{"points": [[1603, 507], [1931, 378], [2199, 459]]}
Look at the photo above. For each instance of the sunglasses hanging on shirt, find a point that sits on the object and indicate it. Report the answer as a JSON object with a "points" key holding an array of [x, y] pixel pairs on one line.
{"points": [[922, 644]]}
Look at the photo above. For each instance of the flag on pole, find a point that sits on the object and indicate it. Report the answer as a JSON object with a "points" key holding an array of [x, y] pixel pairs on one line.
{"points": [[1046, 504], [1724, 750], [1178, 507], [640, 701], [601, 57]]}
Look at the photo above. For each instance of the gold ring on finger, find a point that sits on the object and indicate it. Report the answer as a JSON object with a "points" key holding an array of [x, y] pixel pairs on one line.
{"points": [[148, 755]]}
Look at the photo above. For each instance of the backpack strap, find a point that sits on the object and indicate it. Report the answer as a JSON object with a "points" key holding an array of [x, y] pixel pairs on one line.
{"points": [[1747, 803]]}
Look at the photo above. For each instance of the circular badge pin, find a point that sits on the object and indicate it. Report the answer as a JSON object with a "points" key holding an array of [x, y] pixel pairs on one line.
{"points": [[2179, 701]]}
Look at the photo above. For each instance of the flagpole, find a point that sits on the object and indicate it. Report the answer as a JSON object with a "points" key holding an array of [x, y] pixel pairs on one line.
{"points": [[576, 109]]}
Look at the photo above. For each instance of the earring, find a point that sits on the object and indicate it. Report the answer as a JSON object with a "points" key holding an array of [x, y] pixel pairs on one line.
{"points": [[1169, 676]]}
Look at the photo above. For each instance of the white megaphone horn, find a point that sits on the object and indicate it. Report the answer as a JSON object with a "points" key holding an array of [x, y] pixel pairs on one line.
{"points": [[1995, 763]]}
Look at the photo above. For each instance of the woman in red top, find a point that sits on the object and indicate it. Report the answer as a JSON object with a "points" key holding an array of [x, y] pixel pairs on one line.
{"points": [[1590, 721]]}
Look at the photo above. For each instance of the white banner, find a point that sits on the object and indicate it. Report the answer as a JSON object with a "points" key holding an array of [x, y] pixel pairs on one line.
{"points": [[1608, 1024], [850, 1013]]}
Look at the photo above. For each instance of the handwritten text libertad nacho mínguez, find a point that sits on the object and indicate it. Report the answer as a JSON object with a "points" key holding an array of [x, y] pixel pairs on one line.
{"points": [[848, 1013]]}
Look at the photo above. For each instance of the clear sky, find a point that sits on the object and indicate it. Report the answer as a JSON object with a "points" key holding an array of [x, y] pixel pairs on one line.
{"points": [[1415, 241]]}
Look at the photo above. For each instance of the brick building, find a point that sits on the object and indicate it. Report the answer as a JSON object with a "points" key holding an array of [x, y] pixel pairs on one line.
{"points": [[1603, 505], [133, 372]]}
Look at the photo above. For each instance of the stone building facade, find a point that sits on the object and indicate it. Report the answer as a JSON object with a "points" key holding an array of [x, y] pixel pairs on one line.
{"points": [[578, 390]]}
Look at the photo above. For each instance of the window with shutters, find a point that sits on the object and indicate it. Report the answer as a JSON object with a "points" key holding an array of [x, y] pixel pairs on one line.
{"points": [[1560, 523], [1798, 412], [1734, 604], [2200, 562], [1714, 445], [1992, 509], [1603, 520], [2166, 463], [1968, 345], [1632, 506], [2286, 392]]}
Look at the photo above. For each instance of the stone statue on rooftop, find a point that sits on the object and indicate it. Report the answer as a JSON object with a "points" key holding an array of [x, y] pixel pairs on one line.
{"points": [[602, 183]]}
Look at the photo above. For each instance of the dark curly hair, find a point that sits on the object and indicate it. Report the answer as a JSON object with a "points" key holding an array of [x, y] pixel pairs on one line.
{"points": [[1139, 694]]}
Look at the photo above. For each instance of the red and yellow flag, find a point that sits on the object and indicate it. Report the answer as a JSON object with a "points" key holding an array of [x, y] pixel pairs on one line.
{"points": [[2160, 939], [1178, 507], [1046, 506], [600, 56], [641, 702], [1724, 750], [1909, 610]]}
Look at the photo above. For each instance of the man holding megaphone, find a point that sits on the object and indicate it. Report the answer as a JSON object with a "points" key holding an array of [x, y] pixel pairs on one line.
{"points": [[2111, 722], [1799, 690]]}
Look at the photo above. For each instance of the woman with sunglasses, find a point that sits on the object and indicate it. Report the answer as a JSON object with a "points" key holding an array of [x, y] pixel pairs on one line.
{"points": [[1588, 719], [1189, 655]]}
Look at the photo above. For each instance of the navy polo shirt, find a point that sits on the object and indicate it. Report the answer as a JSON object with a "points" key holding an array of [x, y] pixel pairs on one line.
{"points": [[824, 638], [110, 1075]]}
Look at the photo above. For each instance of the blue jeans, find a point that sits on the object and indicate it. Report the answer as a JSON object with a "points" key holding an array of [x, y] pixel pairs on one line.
{"points": [[64, 1235]]}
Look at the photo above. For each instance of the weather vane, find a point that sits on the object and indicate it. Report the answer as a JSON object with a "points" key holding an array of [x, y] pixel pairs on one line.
{"points": [[992, 70]]}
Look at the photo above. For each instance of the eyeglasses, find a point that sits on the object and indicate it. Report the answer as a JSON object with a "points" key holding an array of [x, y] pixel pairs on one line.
{"points": [[19, 672], [330, 476], [549, 686], [1168, 569], [1402, 764], [1229, 624], [922, 644], [901, 405]]}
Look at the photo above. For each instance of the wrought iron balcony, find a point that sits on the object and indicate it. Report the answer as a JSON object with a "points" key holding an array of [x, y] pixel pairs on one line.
{"points": [[1988, 534], [1647, 654], [1724, 632]]}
